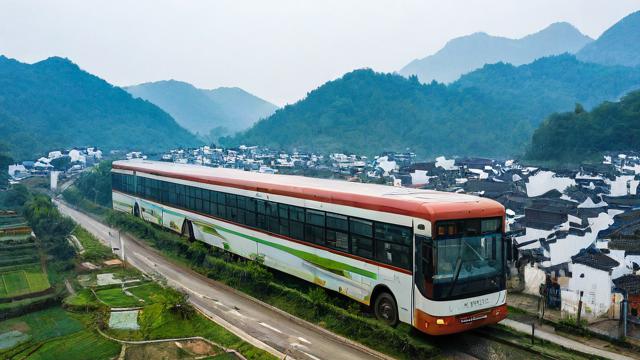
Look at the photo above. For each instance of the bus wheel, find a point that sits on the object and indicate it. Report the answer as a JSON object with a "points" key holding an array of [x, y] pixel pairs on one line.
{"points": [[187, 230], [136, 210], [386, 309]]}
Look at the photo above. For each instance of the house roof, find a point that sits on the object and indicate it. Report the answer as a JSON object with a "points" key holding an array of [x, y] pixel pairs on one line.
{"points": [[594, 259], [630, 283]]}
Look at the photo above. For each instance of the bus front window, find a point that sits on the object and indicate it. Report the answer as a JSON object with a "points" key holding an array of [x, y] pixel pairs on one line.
{"points": [[467, 259]]}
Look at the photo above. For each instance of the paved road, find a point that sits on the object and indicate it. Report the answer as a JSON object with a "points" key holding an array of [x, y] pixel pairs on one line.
{"points": [[242, 316]]}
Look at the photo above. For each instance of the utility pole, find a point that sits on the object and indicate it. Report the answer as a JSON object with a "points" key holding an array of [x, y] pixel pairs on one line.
{"points": [[122, 249], [579, 308]]}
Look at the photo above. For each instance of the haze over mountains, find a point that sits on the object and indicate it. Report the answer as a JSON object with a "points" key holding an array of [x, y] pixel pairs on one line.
{"points": [[209, 113], [492, 111], [467, 53], [54, 104]]}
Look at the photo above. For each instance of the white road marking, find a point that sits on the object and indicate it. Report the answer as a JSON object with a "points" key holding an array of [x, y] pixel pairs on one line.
{"points": [[298, 346], [311, 356], [270, 327], [304, 340]]}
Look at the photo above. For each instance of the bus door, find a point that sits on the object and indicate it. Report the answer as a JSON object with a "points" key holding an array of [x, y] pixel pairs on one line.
{"points": [[422, 256]]}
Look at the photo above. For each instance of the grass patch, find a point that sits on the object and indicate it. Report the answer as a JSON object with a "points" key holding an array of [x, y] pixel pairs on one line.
{"points": [[94, 250], [82, 299], [146, 291], [115, 297]]}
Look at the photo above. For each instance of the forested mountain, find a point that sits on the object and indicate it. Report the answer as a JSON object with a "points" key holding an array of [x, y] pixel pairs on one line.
{"points": [[54, 104], [223, 110], [492, 111], [578, 135], [467, 53], [619, 45], [551, 84]]}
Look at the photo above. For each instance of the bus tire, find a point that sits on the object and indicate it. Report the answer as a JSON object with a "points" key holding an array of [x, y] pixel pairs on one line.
{"points": [[386, 309], [136, 210], [187, 230]]}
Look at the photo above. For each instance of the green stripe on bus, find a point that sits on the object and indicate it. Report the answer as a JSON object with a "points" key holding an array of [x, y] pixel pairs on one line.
{"points": [[312, 258], [328, 264]]}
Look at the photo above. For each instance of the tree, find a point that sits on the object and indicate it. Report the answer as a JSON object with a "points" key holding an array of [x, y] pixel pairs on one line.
{"points": [[174, 302], [5, 161]]}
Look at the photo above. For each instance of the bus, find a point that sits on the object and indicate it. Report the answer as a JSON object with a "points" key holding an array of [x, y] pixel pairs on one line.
{"points": [[434, 260]]}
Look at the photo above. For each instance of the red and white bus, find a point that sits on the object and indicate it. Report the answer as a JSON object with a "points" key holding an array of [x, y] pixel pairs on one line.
{"points": [[431, 259]]}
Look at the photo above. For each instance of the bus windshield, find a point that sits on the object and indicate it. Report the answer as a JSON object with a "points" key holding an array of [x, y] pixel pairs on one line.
{"points": [[462, 259], [467, 259]]}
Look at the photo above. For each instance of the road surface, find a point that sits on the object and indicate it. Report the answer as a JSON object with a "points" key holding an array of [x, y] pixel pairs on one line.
{"points": [[236, 312]]}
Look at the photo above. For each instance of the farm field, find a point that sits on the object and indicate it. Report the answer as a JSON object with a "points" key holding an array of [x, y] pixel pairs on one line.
{"points": [[21, 281], [47, 334]]}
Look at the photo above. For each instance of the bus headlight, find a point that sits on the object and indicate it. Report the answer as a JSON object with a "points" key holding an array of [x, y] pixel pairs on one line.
{"points": [[440, 321]]}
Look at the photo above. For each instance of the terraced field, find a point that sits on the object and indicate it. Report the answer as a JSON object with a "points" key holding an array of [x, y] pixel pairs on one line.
{"points": [[22, 281]]}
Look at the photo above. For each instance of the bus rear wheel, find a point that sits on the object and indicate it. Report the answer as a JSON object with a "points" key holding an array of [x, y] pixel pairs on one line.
{"points": [[386, 309], [187, 230]]}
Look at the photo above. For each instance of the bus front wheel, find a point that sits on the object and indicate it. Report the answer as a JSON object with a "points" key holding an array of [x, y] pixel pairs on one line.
{"points": [[386, 309]]}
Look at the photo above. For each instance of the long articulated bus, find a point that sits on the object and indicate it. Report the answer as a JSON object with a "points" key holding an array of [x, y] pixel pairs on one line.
{"points": [[431, 259]]}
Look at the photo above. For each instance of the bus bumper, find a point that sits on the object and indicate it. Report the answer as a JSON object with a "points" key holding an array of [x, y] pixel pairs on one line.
{"points": [[444, 325]]}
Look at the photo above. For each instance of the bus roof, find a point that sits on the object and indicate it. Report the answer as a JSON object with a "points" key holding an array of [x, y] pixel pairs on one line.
{"points": [[427, 204]]}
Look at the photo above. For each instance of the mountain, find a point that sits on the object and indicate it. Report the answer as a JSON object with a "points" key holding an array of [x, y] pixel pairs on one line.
{"points": [[490, 112], [224, 110], [579, 135], [464, 54], [619, 45], [54, 104]]}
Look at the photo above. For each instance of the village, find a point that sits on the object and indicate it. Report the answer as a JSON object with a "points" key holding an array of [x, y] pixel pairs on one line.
{"points": [[573, 248]]}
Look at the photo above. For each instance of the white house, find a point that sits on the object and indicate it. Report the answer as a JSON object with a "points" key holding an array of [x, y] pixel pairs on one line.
{"points": [[590, 275]]}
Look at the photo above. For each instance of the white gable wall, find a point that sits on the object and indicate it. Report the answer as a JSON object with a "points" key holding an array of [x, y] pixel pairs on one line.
{"points": [[596, 286]]}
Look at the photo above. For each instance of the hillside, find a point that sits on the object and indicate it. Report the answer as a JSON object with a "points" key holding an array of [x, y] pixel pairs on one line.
{"points": [[467, 53], [224, 110], [54, 104], [578, 135], [551, 84], [619, 45], [491, 112]]}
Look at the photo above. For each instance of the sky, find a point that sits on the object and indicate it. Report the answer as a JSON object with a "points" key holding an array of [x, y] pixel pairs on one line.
{"points": [[278, 50]]}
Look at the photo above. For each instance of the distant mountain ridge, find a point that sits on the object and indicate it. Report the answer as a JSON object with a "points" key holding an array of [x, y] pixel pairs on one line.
{"points": [[223, 110], [467, 53], [54, 104], [489, 112], [619, 45]]}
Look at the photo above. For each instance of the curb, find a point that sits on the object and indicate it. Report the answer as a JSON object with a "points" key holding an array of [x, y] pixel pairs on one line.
{"points": [[243, 335]]}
